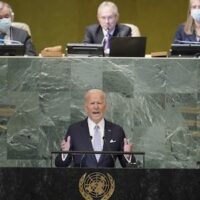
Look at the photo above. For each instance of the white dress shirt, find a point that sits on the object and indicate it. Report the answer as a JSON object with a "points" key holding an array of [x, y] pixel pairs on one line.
{"points": [[91, 126]]}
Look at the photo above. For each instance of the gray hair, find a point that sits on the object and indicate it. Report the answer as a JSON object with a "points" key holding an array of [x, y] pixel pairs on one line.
{"points": [[110, 4], [3, 4], [95, 91]]}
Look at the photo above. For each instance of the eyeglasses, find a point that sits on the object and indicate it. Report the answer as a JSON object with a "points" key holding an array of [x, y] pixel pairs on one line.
{"points": [[108, 18]]}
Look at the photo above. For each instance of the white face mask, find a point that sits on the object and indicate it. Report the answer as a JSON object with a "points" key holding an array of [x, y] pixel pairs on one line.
{"points": [[195, 13], [5, 24]]}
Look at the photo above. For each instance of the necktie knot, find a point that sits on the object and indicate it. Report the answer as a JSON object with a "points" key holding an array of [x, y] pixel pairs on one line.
{"points": [[96, 128]]}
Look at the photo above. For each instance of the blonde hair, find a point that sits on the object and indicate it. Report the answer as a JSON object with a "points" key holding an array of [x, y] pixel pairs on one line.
{"points": [[110, 4], [189, 24]]}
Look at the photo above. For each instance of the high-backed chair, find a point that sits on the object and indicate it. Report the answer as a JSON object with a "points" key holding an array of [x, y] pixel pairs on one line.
{"points": [[135, 30], [23, 26]]}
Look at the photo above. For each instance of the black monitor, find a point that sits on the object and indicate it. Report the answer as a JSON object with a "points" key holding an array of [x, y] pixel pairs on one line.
{"points": [[84, 49], [127, 46], [12, 50], [186, 50]]}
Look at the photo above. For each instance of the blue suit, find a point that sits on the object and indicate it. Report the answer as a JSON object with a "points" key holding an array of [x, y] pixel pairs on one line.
{"points": [[81, 141], [182, 36]]}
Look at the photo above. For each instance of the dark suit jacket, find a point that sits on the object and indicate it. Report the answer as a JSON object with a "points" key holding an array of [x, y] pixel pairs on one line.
{"points": [[182, 36], [23, 37], [81, 141], [94, 33]]}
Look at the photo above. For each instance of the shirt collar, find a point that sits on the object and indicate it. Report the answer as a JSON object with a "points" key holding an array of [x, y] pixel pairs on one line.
{"points": [[100, 124], [110, 33]]}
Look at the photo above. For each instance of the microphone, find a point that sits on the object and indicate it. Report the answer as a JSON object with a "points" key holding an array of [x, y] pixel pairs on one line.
{"points": [[108, 147], [90, 138], [103, 40], [83, 156]]}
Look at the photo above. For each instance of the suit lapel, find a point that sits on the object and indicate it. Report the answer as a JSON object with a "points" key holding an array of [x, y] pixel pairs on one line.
{"points": [[99, 35], [107, 134], [116, 32], [88, 146], [107, 138]]}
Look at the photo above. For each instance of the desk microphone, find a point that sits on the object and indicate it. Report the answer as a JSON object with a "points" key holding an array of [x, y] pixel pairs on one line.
{"points": [[90, 138], [109, 149]]}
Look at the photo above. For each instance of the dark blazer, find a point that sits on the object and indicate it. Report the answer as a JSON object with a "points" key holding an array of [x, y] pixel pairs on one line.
{"points": [[81, 141], [23, 37], [94, 33], [182, 36]]}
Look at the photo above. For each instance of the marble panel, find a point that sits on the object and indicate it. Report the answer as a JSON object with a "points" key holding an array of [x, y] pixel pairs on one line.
{"points": [[156, 101]]}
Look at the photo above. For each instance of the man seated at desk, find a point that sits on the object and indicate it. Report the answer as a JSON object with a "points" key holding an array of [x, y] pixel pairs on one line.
{"points": [[108, 26], [12, 35]]}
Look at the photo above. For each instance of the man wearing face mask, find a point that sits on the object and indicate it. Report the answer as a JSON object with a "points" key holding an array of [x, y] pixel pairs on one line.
{"points": [[108, 26], [13, 35], [189, 32]]}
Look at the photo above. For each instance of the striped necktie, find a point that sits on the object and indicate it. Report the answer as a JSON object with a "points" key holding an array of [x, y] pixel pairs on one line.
{"points": [[97, 141], [107, 41]]}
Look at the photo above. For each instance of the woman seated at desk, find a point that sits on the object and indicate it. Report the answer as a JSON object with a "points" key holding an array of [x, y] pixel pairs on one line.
{"points": [[189, 32]]}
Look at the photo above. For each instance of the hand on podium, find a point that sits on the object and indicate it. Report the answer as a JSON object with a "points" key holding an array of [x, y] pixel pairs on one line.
{"points": [[128, 147], [65, 144]]}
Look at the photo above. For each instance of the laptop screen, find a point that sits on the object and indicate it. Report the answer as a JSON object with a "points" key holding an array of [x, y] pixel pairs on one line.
{"points": [[185, 49], [12, 50], [84, 49], [127, 46]]}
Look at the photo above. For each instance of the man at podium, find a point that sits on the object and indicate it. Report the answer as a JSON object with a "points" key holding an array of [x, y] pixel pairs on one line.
{"points": [[94, 133]]}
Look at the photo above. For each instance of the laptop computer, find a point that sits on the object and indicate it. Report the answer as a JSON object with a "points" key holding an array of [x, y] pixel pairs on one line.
{"points": [[12, 50], [127, 46], [190, 49]]}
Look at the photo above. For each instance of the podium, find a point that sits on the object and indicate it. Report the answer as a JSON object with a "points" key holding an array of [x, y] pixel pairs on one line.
{"points": [[113, 184], [133, 163]]}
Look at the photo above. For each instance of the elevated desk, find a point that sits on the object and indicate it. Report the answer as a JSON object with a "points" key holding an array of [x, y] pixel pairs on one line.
{"points": [[113, 184]]}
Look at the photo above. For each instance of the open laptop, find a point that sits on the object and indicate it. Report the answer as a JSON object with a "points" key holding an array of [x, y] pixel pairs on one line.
{"points": [[12, 50], [190, 49], [127, 46]]}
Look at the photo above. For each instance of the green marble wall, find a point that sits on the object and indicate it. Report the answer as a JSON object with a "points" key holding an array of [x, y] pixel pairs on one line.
{"points": [[155, 100]]}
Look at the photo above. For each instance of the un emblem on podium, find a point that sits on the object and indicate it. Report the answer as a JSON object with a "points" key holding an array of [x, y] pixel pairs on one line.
{"points": [[96, 186]]}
